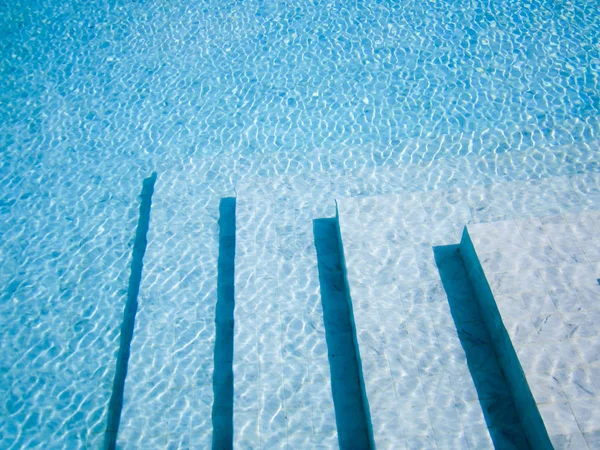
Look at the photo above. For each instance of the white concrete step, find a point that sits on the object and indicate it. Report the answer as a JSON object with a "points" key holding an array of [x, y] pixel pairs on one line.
{"points": [[169, 394], [404, 322], [537, 282]]}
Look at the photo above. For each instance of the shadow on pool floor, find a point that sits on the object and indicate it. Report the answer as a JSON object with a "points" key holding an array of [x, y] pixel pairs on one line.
{"points": [[351, 410], [494, 395], [222, 412]]}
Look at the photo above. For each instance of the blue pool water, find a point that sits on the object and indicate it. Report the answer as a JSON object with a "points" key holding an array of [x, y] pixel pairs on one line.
{"points": [[212, 95]]}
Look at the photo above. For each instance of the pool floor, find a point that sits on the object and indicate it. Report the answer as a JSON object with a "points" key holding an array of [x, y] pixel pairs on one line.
{"points": [[284, 106]]}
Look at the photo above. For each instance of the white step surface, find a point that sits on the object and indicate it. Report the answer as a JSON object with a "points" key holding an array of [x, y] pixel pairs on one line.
{"points": [[282, 385], [168, 395], [276, 278], [543, 276], [404, 325]]}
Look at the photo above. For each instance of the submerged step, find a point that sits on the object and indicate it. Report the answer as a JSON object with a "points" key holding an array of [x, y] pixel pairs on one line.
{"points": [[499, 408], [537, 282], [417, 381], [282, 382], [418, 377], [169, 391]]}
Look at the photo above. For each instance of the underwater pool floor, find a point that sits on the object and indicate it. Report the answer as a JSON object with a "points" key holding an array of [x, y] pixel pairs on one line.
{"points": [[279, 315], [256, 118]]}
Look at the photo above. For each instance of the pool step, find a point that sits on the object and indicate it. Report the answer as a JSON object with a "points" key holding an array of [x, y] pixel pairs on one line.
{"points": [[498, 406], [408, 337], [537, 283], [171, 395], [277, 278], [170, 392], [282, 382]]}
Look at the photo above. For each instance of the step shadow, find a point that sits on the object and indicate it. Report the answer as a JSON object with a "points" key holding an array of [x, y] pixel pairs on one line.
{"points": [[494, 394], [115, 405], [222, 411], [349, 399]]}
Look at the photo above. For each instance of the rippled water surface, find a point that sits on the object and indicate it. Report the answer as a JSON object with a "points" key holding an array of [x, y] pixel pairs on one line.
{"points": [[213, 95]]}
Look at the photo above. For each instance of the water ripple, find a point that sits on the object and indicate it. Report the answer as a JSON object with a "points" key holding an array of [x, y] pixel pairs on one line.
{"points": [[338, 98]]}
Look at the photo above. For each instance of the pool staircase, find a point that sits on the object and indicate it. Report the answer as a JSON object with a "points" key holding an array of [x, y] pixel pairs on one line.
{"points": [[284, 319], [431, 312]]}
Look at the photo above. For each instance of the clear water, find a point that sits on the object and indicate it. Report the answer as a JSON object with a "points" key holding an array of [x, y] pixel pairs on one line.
{"points": [[95, 95]]}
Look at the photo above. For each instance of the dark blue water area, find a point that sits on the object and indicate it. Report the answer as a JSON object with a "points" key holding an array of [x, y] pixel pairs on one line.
{"points": [[222, 412], [493, 390], [350, 403], [128, 324]]}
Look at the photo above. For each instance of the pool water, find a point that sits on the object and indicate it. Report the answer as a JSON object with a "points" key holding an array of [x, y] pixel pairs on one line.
{"points": [[216, 96]]}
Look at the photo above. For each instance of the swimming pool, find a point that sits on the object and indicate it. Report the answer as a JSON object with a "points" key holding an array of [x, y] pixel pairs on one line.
{"points": [[217, 97]]}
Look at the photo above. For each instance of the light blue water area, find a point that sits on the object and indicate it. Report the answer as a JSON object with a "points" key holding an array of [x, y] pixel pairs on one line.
{"points": [[95, 95]]}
